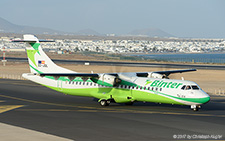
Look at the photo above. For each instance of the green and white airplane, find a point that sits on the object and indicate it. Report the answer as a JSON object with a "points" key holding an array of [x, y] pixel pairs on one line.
{"points": [[128, 87]]}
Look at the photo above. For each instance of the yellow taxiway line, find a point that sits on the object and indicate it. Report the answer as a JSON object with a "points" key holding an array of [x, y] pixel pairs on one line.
{"points": [[5, 108]]}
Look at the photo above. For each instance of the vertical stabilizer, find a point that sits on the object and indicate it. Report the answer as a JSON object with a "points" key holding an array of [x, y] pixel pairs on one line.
{"points": [[39, 62]]}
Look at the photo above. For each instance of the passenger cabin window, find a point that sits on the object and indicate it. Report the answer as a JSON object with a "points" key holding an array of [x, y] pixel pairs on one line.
{"points": [[194, 87]]}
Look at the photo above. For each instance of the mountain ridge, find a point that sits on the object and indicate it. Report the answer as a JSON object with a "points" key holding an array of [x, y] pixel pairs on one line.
{"points": [[150, 32], [8, 27]]}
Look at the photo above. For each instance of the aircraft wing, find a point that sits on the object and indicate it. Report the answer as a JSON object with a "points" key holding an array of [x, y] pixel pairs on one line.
{"points": [[165, 73], [97, 75]]}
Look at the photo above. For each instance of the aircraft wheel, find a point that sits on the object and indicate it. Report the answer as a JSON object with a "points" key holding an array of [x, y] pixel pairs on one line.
{"points": [[195, 109], [107, 102], [104, 103]]}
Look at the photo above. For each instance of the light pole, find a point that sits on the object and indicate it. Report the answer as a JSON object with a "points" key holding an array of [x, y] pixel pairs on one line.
{"points": [[4, 61]]}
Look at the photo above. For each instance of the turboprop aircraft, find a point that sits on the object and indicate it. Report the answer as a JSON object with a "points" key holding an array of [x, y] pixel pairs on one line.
{"points": [[127, 87]]}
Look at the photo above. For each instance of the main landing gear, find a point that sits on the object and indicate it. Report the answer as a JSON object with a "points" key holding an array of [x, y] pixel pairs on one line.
{"points": [[104, 102], [195, 107]]}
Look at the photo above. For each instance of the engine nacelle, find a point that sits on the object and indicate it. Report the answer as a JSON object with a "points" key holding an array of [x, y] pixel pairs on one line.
{"points": [[155, 75], [107, 80]]}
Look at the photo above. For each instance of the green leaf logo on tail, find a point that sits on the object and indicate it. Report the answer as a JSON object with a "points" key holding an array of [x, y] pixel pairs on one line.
{"points": [[31, 53], [35, 46]]}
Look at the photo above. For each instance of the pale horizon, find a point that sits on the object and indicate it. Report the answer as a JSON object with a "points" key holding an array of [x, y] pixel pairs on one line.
{"points": [[194, 19]]}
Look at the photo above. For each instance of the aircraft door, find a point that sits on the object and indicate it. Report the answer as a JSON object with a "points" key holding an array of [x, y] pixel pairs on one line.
{"points": [[132, 91]]}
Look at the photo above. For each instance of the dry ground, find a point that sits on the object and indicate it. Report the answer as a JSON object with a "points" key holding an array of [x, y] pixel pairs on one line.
{"points": [[212, 81]]}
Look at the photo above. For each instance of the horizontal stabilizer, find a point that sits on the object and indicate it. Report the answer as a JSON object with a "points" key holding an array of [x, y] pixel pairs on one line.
{"points": [[41, 40], [31, 38]]}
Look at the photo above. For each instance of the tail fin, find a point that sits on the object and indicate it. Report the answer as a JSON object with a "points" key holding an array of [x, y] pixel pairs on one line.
{"points": [[39, 62]]}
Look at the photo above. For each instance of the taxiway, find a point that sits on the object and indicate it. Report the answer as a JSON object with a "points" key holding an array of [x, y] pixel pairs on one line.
{"points": [[32, 106]]}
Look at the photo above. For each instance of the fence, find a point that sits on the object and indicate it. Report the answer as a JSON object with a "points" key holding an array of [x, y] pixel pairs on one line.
{"points": [[191, 60], [12, 76], [220, 92]]}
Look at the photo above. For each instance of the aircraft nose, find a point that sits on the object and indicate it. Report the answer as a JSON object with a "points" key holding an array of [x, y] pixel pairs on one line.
{"points": [[206, 100]]}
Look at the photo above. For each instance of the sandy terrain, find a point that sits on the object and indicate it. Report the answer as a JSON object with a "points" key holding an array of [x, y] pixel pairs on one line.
{"points": [[212, 81]]}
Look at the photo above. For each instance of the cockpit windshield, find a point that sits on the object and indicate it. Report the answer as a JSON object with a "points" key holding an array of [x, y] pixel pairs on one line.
{"points": [[188, 87], [195, 87]]}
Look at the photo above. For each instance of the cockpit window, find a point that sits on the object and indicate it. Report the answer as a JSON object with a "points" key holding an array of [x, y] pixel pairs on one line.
{"points": [[188, 87], [183, 87], [194, 87]]}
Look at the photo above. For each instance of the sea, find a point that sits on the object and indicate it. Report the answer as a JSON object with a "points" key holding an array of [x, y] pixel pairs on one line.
{"points": [[218, 58]]}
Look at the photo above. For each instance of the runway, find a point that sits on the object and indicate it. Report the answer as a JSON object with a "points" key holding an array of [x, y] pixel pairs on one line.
{"points": [[32, 106], [131, 64]]}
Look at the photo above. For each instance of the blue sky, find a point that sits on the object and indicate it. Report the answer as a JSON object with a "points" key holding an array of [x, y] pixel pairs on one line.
{"points": [[182, 18]]}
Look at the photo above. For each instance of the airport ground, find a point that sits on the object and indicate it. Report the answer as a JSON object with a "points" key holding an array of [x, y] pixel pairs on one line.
{"points": [[31, 111]]}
